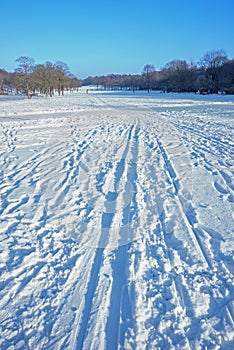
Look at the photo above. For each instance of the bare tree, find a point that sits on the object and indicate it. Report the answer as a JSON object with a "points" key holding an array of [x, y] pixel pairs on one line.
{"points": [[147, 75], [51, 80], [74, 83], [212, 61], [5, 81], [226, 77], [24, 73], [62, 76], [179, 76], [40, 79]]}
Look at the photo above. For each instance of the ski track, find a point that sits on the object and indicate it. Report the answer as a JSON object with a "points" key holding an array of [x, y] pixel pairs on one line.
{"points": [[116, 223]]}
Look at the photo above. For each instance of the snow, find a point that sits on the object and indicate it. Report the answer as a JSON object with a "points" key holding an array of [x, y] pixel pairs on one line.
{"points": [[116, 221]]}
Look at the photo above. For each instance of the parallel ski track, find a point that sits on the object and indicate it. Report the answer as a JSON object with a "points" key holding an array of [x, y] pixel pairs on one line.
{"points": [[78, 338], [197, 232], [181, 287], [121, 296]]}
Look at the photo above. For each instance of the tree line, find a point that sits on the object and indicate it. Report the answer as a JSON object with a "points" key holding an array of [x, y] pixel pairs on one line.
{"points": [[46, 78], [212, 74]]}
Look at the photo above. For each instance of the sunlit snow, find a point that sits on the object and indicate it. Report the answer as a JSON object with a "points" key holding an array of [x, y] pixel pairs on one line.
{"points": [[116, 221]]}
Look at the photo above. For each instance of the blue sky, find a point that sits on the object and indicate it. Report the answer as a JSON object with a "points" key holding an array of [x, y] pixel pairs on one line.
{"points": [[115, 36]]}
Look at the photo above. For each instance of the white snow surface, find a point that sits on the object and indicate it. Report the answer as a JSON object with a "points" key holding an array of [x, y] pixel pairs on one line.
{"points": [[116, 221]]}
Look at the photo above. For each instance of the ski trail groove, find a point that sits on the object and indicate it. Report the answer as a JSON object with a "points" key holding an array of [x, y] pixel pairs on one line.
{"points": [[117, 300], [106, 221], [116, 229], [190, 226]]}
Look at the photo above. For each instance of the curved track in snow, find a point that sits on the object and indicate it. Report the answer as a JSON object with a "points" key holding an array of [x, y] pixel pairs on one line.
{"points": [[116, 223]]}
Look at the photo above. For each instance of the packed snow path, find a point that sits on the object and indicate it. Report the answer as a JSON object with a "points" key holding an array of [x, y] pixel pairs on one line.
{"points": [[116, 222]]}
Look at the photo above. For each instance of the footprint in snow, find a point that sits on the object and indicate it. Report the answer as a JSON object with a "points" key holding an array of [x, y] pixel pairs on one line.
{"points": [[220, 188]]}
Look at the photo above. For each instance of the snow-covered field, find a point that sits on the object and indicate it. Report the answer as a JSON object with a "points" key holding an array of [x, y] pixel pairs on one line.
{"points": [[116, 222]]}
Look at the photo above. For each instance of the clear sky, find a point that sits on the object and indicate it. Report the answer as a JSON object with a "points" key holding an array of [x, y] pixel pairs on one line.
{"points": [[96, 37]]}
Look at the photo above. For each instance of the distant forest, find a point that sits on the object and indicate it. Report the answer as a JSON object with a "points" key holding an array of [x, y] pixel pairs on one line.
{"points": [[212, 74]]}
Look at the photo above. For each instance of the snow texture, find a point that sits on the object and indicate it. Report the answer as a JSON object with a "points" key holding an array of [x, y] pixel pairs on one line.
{"points": [[116, 222]]}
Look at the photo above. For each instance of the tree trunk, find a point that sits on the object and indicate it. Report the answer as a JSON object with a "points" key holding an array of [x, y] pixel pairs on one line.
{"points": [[29, 94], [51, 91]]}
